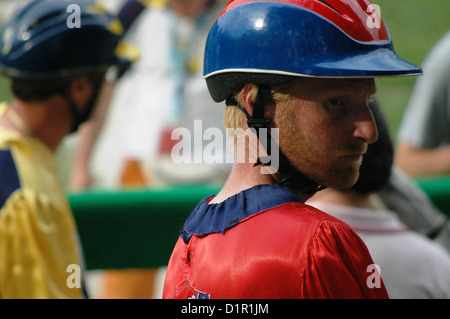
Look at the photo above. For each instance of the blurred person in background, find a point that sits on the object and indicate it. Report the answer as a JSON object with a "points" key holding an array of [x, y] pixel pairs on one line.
{"points": [[423, 137], [57, 73], [413, 206], [423, 148], [163, 89]]}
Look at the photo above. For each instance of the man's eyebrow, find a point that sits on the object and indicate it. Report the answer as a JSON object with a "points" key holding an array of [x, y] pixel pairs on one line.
{"points": [[332, 84]]}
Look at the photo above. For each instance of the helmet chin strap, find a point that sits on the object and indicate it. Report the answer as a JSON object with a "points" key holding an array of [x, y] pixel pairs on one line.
{"points": [[289, 176], [79, 117]]}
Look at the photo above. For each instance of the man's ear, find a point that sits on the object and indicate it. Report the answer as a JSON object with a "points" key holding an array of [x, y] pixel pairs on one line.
{"points": [[81, 90], [249, 92], [248, 97]]}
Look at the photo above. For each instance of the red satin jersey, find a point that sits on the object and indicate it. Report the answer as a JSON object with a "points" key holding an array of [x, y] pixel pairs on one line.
{"points": [[265, 243]]}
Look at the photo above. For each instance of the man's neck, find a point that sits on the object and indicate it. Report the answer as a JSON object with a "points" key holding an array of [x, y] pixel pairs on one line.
{"points": [[37, 120], [245, 176]]}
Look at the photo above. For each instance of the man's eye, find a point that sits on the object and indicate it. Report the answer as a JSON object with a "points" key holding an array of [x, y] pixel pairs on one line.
{"points": [[335, 102]]}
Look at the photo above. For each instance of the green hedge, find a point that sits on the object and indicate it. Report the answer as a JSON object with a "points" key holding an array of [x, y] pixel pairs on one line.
{"points": [[438, 190], [133, 229]]}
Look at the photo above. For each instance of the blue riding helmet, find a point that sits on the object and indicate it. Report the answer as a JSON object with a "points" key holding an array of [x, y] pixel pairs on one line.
{"points": [[268, 42], [42, 41]]}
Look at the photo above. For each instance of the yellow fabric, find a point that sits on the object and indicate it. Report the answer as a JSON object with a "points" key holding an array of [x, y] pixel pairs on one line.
{"points": [[154, 3], [38, 239]]}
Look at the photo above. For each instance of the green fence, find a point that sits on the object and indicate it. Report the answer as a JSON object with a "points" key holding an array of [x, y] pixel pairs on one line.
{"points": [[138, 228], [135, 228], [438, 189]]}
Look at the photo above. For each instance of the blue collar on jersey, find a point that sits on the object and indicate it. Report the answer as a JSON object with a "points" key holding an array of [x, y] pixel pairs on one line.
{"points": [[214, 218]]}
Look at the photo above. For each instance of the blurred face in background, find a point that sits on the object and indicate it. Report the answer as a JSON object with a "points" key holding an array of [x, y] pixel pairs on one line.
{"points": [[189, 8]]}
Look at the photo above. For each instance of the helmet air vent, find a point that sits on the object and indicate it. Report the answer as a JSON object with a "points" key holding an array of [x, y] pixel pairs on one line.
{"points": [[329, 5]]}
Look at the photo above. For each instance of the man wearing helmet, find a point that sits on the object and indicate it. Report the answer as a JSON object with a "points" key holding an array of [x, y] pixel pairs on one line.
{"points": [[304, 69], [57, 73]]}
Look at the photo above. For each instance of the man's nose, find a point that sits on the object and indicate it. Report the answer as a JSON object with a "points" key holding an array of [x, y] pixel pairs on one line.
{"points": [[366, 128]]}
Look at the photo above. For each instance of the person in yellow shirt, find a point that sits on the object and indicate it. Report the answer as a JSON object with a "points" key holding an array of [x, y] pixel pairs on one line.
{"points": [[57, 54]]}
